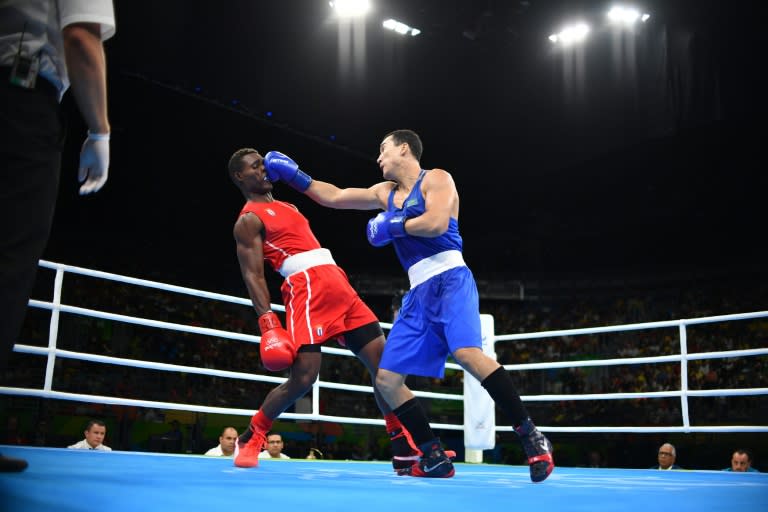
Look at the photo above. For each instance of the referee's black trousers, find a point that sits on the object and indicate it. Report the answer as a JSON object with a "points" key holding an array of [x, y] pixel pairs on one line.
{"points": [[31, 143]]}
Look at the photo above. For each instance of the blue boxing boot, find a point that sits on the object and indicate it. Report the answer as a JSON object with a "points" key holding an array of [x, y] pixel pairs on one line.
{"points": [[538, 449], [434, 463]]}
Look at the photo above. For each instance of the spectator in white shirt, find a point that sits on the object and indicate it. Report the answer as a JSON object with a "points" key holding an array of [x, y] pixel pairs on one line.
{"points": [[95, 432], [227, 441], [274, 448]]}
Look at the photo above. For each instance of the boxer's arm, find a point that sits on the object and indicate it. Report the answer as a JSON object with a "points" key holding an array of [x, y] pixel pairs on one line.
{"points": [[441, 203], [281, 167], [276, 348], [250, 255], [328, 194]]}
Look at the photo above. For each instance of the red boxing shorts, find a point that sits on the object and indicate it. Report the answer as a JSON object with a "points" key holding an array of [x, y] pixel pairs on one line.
{"points": [[320, 304]]}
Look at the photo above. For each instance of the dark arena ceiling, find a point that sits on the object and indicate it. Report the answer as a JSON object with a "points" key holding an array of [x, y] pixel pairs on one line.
{"points": [[634, 149]]}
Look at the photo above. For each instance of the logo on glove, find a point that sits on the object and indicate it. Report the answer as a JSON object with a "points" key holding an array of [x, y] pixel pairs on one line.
{"points": [[280, 161], [271, 344]]}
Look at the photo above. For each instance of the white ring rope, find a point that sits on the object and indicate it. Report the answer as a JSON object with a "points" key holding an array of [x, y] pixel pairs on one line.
{"points": [[52, 352]]}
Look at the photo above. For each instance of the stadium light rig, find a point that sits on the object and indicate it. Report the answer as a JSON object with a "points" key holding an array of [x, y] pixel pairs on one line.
{"points": [[400, 27], [626, 15], [571, 34], [350, 8]]}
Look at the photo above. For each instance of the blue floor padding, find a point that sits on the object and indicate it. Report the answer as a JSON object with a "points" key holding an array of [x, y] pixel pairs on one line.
{"points": [[64, 480]]}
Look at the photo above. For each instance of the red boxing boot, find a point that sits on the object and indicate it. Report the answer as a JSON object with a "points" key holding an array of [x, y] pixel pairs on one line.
{"points": [[247, 453]]}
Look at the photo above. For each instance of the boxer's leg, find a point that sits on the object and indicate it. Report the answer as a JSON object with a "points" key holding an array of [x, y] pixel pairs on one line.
{"points": [[304, 372]]}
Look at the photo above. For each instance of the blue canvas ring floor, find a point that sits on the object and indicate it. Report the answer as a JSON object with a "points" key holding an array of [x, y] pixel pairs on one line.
{"points": [[64, 480]]}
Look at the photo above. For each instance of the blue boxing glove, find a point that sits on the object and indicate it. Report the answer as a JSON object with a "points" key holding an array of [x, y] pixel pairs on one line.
{"points": [[282, 168], [385, 227]]}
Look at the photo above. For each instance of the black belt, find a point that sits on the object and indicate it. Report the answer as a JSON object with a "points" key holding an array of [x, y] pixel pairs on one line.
{"points": [[41, 84]]}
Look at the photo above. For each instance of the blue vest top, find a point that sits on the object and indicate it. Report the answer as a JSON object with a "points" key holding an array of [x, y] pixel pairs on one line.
{"points": [[412, 249]]}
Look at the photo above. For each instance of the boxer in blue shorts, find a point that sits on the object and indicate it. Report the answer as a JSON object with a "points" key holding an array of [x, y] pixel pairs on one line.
{"points": [[440, 314], [436, 318]]}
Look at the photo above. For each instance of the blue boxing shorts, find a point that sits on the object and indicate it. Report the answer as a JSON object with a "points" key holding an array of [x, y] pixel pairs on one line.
{"points": [[437, 317]]}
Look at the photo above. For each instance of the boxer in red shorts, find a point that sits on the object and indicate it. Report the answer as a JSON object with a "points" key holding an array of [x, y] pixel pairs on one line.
{"points": [[320, 304]]}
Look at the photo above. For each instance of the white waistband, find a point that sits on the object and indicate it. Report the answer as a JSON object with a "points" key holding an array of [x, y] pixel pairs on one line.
{"points": [[435, 264], [305, 260]]}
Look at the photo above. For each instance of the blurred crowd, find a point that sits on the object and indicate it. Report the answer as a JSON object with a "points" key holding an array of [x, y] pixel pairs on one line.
{"points": [[128, 340]]}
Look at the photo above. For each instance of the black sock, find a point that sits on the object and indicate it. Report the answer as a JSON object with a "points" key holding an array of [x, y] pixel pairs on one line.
{"points": [[413, 417], [501, 388], [400, 446]]}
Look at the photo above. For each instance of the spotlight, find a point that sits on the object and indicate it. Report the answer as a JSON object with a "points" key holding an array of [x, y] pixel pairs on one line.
{"points": [[350, 8], [571, 34], [400, 27], [626, 15]]}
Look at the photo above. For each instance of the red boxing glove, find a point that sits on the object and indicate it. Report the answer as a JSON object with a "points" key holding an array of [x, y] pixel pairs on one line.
{"points": [[276, 348]]}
